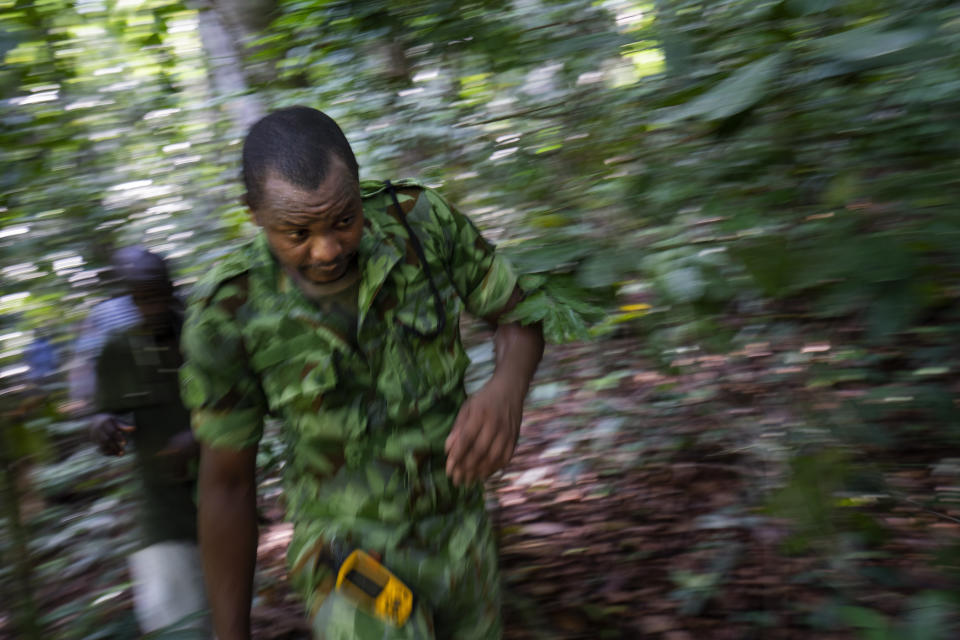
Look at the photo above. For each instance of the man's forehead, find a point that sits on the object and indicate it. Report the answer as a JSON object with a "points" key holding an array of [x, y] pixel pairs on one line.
{"points": [[334, 191]]}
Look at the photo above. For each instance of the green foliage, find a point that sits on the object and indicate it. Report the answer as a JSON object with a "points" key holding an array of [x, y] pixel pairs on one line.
{"points": [[742, 90], [26, 440], [872, 625], [822, 504], [927, 618], [561, 306], [826, 114], [810, 498]]}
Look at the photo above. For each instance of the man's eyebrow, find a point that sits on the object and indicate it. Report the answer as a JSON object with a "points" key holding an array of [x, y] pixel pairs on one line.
{"points": [[294, 219], [298, 219]]}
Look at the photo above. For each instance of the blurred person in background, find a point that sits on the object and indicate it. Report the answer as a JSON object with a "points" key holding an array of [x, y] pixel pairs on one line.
{"points": [[104, 319], [342, 318], [41, 356], [137, 398]]}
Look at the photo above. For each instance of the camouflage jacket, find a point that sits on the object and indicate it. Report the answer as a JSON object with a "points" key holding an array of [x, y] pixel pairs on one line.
{"points": [[364, 425]]}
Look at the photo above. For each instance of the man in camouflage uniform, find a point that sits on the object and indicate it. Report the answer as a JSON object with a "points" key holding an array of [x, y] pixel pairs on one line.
{"points": [[341, 318]]}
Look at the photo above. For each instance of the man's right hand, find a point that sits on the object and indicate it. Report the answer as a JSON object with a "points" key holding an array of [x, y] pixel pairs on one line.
{"points": [[109, 433]]}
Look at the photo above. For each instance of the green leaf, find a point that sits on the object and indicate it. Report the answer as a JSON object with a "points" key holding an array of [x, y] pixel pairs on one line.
{"points": [[563, 290], [532, 309], [23, 440], [562, 308], [868, 43], [892, 311], [807, 7], [929, 616], [685, 284], [561, 324], [842, 189], [531, 281], [8, 42], [768, 262], [532, 258], [874, 624], [743, 89], [375, 480], [606, 267]]}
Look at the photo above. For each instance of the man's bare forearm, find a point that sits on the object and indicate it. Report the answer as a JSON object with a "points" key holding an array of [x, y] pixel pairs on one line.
{"points": [[228, 537], [518, 350]]}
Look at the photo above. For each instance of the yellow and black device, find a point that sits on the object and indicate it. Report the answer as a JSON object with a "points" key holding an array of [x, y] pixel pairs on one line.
{"points": [[373, 587]]}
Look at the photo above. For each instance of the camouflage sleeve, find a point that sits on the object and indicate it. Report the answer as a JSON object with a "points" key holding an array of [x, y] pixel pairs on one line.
{"points": [[224, 396], [483, 278]]}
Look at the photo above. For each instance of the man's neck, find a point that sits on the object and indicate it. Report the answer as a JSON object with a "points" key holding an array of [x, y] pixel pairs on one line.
{"points": [[315, 291]]}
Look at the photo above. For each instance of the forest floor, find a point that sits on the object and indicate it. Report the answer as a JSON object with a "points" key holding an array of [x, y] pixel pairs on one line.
{"points": [[634, 508], [642, 504]]}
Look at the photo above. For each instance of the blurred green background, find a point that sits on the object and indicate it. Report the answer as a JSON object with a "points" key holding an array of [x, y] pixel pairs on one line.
{"points": [[772, 182]]}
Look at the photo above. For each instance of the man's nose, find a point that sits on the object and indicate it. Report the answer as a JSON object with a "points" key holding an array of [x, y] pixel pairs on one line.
{"points": [[324, 250]]}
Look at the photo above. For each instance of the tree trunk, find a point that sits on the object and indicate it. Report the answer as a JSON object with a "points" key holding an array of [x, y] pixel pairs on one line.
{"points": [[24, 607], [226, 69]]}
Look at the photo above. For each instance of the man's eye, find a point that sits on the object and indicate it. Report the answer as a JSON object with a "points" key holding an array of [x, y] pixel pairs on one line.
{"points": [[346, 221], [298, 235]]}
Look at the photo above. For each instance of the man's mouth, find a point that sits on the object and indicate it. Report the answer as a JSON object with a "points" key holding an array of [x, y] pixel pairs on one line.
{"points": [[322, 271], [325, 268]]}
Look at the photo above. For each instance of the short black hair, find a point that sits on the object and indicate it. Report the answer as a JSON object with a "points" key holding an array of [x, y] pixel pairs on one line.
{"points": [[296, 143]]}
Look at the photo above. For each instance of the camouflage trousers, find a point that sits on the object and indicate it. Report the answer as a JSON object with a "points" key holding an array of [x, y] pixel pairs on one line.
{"points": [[450, 564]]}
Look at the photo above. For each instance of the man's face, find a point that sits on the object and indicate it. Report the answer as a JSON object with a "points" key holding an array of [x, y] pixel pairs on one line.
{"points": [[313, 234], [154, 300]]}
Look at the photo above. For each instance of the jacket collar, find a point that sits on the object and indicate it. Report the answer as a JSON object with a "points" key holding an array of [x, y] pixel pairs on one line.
{"points": [[381, 248], [379, 252]]}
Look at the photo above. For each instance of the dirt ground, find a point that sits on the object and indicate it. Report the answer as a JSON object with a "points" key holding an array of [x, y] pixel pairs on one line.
{"points": [[636, 507], [631, 513]]}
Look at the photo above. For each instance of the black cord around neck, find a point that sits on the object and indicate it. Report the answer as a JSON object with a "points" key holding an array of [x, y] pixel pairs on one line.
{"points": [[418, 249]]}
